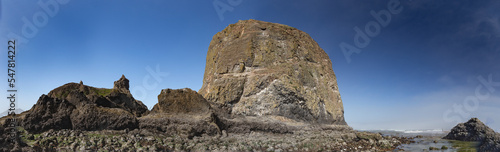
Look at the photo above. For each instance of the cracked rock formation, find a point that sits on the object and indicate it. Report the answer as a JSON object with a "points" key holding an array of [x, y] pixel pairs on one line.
{"points": [[181, 112], [268, 70], [81, 107]]}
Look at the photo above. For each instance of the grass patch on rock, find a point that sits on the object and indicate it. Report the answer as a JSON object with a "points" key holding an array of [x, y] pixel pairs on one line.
{"points": [[102, 91], [464, 146]]}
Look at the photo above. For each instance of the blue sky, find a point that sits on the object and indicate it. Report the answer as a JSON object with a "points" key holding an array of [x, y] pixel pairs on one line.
{"points": [[420, 71]]}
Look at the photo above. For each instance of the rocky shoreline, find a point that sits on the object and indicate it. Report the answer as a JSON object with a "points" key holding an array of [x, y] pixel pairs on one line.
{"points": [[340, 139]]}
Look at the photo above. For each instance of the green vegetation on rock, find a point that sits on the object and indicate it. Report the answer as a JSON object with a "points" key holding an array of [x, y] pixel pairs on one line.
{"points": [[102, 91], [464, 146]]}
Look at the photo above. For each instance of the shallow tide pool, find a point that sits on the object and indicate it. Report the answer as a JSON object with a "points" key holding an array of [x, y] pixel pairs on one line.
{"points": [[428, 140]]}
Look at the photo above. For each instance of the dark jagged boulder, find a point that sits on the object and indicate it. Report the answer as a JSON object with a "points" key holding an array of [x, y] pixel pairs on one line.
{"points": [[49, 113], [181, 111], [475, 130], [77, 106]]}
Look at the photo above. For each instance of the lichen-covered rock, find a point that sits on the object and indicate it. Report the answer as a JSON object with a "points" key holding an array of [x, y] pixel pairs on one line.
{"points": [[181, 112], [261, 69], [77, 106]]}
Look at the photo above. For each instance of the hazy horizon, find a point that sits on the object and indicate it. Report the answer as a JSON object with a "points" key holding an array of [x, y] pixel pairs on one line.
{"points": [[429, 65]]}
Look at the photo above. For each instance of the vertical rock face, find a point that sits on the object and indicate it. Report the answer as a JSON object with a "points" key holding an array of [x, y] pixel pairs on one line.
{"points": [[264, 69]]}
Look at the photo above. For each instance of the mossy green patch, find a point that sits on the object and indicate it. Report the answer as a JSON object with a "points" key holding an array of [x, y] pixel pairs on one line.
{"points": [[63, 94], [20, 129], [464, 146], [102, 91]]}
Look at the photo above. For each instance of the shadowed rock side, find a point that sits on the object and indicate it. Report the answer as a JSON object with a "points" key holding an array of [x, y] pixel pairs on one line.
{"points": [[268, 70], [181, 112], [475, 130], [7, 143], [81, 107]]}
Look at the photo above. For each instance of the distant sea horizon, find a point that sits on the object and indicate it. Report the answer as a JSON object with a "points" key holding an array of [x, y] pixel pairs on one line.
{"points": [[6, 112], [408, 132]]}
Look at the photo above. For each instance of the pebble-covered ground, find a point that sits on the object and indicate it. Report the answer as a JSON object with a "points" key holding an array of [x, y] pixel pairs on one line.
{"points": [[143, 140]]}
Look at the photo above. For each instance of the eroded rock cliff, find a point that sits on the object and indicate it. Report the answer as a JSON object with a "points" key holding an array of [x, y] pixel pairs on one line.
{"points": [[268, 70]]}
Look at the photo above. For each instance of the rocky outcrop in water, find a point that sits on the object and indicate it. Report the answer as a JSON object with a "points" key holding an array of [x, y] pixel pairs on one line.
{"points": [[271, 72], [81, 107], [475, 130]]}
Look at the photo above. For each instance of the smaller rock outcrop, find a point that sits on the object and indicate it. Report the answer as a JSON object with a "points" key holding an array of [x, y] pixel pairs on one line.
{"points": [[181, 101], [122, 84], [181, 111], [81, 107], [475, 130]]}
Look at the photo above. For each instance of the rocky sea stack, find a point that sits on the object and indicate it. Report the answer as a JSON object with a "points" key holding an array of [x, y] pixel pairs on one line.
{"points": [[475, 130], [271, 71]]}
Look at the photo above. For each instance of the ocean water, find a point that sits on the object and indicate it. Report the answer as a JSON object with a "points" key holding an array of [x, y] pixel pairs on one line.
{"points": [[427, 138]]}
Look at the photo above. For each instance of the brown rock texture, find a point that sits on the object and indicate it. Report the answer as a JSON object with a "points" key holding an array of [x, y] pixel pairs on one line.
{"points": [[181, 101], [262, 69], [181, 112], [81, 107], [122, 84]]}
